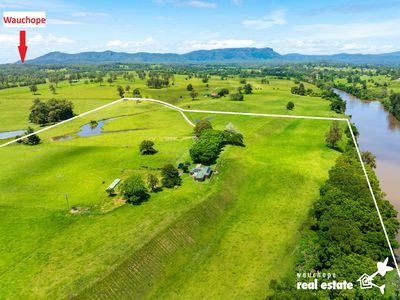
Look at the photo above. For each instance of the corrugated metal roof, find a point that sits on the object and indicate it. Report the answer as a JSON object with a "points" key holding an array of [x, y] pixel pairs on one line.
{"points": [[114, 184]]}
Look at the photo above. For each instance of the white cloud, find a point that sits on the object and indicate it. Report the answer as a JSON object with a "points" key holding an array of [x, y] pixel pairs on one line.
{"points": [[351, 31], [135, 45], [216, 44], [237, 2], [115, 43], [146, 42], [38, 39], [192, 3], [8, 40], [316, 46], [59, 40], [202, 4], [275, 18], [89, 14], [61, 22]]}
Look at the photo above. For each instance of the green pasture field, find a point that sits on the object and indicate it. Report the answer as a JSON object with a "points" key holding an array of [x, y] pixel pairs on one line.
{"points": [[226, 237], [381, 79], [267, 98]]}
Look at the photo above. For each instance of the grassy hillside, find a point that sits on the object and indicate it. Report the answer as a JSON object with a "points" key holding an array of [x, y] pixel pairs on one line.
{"points": [[244, 235], [231, 232]]}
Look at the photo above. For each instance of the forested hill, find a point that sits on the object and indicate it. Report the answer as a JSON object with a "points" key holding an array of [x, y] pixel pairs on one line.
{"points": [[217, 55], [229, 55]]}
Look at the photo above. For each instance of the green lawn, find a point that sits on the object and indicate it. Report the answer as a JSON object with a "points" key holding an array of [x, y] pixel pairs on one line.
{"points": [[224, 238]]}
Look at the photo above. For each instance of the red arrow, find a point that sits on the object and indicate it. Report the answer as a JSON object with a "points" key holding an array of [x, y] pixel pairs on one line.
{"points": [[22, 48]]}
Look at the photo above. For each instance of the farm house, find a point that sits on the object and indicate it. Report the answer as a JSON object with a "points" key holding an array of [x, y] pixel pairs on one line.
{"points": [[201, 173]]}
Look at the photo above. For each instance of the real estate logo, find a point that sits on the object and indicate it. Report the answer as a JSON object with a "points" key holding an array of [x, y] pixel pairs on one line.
{"points": [[329, 281], [366, 281]]}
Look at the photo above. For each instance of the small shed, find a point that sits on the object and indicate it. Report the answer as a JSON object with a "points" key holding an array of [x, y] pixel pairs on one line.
{"points": [[112, 186], [214, 95]]}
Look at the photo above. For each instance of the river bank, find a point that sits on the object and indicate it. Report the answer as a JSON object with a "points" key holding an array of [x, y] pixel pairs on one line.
{"points": [[380, 134]]}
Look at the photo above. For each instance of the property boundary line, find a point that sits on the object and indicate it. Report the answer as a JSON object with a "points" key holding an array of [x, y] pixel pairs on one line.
{"points": [[182, 111]]}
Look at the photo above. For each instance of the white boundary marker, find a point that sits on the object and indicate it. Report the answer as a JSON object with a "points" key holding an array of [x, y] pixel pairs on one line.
{"points": [[182, 111]]}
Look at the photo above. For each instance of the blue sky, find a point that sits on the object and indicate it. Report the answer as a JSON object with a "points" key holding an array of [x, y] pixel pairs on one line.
{"points": [[308, 27]]}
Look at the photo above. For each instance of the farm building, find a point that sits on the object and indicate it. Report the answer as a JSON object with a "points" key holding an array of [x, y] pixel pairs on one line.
{"points": [[112, 186], [201, 173], [214, 95]]}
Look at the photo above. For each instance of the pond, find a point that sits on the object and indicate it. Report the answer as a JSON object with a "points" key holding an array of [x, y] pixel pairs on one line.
{"points": [[11, 134], [92, 130]]}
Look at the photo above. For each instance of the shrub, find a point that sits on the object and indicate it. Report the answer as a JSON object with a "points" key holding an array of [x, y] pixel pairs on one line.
{"points": [[31, 140], [237, 97]]}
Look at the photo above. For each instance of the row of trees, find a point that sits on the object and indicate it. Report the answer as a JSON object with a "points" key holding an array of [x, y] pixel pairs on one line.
{"points": [[393, 105], [337, 104], [157, 81]]}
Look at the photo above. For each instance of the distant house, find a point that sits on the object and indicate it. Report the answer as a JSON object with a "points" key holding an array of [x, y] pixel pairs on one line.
{"points": [[214, 95], [201, 173]]}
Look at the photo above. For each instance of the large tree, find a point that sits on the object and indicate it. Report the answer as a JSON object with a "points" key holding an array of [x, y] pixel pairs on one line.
{"points": [[33, 88], [53, 88], [136, 93], [193, 94], [170, 176], [202, 125], [146, 147], [120, 91], [334, 135], [134, 190], [152, 182], [248, 89], [290, 105], [369, 159]]}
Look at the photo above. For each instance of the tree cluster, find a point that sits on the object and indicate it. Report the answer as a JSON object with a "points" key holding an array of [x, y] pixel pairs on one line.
{"points": [[301, 90], [393, 105], [51, 111], [210, 143], [337, 104]]}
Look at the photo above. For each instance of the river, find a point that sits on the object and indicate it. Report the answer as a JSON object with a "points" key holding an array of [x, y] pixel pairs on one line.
{"points": [[379, 134]]}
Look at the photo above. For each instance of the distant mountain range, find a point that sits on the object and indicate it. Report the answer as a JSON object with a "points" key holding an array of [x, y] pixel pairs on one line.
{"points": [[229, 55]]}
